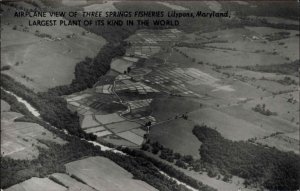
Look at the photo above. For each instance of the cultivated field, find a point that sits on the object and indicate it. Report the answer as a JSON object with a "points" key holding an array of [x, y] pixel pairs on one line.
{"points": [[101, 173], [122, 126], [37, 184], [4, 106], [88, 121], [282, 142], [116, 140], [283, 108], [265, 127], [252, 76], [95, 129], [104, 116], [109, 118], [231, 58], [71, 183], [19, 140], [230, 127], [120, 65], [246, 46], [136, 139]]}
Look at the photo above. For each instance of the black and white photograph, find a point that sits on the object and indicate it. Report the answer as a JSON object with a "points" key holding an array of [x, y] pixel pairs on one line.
{"points": [[140, 95]]}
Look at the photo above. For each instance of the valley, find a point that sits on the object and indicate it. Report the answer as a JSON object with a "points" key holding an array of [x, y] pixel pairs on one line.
{"points": [[178, 108]]}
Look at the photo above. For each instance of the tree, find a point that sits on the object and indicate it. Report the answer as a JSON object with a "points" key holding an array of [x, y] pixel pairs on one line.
{"points": [[188, 159], [145, 147], [181, 164], [155, 150], [128, 70]]}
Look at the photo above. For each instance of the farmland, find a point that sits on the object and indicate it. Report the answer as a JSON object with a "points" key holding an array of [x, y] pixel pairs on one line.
{"points": [[209, 91], [114, 125], [89, 174], [181, 138], [99, 173], [246, 46], [36, 184], [18, 173], [20, 140], [154, 97], [70, 183]]}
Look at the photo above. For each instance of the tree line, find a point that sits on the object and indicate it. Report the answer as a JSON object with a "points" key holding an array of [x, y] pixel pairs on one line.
{"points": [[257, 164]]}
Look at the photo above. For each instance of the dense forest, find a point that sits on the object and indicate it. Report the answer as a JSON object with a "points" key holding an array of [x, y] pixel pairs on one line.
{"points": [[180, 160], [274, 169]]}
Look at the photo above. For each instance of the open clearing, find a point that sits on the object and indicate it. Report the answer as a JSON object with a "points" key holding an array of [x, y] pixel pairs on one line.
{"points": [[120, 65], [116, 140], [270, 124], [282, 142], [101, 173], [37, 184], [122, 126], [19, 140], [88, 121], [283, 108], [265, 126], [4, 106], [256, 75], [109, 118], [30, 50], [177, 135], [230, 127], [102, 133], [246, 46], [132, 137], [231, 58], [94, 129]]}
